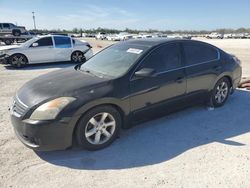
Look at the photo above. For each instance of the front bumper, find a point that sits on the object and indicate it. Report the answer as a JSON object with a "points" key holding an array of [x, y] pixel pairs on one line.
{"points": [[43, 135]]}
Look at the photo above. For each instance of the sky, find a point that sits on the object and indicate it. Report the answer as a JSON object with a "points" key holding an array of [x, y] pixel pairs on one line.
{"points": [[134, 14]]}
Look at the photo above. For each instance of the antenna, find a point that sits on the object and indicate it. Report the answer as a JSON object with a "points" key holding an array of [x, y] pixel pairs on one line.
{"points": [[34, 19]]}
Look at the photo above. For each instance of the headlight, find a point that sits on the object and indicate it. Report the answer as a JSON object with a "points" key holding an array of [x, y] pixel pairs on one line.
{"points": [[51, 109]]}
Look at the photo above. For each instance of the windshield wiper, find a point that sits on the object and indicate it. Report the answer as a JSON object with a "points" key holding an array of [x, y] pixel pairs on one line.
{"points": [[91, 72]]}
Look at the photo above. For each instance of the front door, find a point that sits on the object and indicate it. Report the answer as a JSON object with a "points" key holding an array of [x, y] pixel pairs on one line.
{"points": [[149, 95], [41, 52]]}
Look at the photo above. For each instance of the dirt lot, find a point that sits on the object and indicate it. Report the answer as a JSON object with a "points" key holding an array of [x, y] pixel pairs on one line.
{"points": [[192, 148]]}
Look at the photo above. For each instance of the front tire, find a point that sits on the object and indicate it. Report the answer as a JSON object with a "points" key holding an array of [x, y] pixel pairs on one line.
{"points": [[98, 128], [78, 57], [18, 60], [220, 92], [8, 41], [16, 32]]}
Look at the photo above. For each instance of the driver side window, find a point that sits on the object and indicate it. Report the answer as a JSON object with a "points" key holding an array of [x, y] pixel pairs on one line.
{"points": [[47, 41], [163, 58]]}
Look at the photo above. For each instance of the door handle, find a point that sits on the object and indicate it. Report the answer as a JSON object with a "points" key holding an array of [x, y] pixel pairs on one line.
{"points": [[179, 80]]}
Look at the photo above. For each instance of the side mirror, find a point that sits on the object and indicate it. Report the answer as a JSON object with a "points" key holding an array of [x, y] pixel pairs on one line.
{"points": [[35, 44], [145, 72]]}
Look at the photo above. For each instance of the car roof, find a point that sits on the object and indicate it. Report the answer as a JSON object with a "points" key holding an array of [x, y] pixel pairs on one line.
{"points": [[42, 36], [150, 42]]}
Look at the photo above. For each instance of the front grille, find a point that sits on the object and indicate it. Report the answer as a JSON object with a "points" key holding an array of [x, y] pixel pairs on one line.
{"points": [[18, 107]]}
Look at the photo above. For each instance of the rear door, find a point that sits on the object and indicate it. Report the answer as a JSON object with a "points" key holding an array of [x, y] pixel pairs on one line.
{"points": [[6, 28], [44, 52], [202, 66], [63, 48], [150, 94]]}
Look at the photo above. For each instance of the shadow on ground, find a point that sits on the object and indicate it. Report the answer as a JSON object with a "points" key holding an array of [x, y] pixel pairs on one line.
{"points": [[163, 139], [41, 66]]}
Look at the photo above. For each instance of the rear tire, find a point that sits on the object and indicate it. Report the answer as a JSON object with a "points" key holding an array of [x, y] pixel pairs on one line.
{"points": [[98, 128], [220, 92], [77, 57], [18, 60], [16, 32]]}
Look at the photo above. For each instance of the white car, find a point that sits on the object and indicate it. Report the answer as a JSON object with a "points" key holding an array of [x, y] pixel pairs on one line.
{"points": [[215, 36], [113, 38], [100, 36], [49, 48]]}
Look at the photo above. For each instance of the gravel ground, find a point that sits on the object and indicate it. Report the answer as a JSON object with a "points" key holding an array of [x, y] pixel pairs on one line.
{"points": [[196, 147]]}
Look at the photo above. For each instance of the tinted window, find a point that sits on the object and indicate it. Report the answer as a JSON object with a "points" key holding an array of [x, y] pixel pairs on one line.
{"points": [[164, 58], [5, 25], [47, 41], [62, 42], [198, 53], [0, 26]]}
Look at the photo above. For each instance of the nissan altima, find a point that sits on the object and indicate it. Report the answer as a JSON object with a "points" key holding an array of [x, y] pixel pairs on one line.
{"points": [[124, 84]]}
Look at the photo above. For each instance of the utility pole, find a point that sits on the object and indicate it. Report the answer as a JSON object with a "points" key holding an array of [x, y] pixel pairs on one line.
{"points": [[34, 19]]}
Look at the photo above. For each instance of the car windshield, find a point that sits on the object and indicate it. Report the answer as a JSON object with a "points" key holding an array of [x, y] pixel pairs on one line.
{"points": [[29, 41], [115, 60]]}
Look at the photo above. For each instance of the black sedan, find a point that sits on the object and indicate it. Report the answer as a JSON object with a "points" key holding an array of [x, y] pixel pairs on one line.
{"points": [[122, 85]]}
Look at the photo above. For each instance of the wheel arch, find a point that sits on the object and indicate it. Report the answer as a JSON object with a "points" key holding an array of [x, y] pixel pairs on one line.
{"points": [[224, 75], [76, 50], [86, 108]]}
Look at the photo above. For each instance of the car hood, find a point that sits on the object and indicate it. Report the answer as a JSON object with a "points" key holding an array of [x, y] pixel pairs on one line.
{"points": [[12, 47], [64, 82]]}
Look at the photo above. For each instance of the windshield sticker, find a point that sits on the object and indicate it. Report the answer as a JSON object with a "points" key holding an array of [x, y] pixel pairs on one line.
{"points": [[134, 51]]}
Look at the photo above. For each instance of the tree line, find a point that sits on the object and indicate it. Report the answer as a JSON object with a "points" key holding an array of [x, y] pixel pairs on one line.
{"points": [[133, 31]]}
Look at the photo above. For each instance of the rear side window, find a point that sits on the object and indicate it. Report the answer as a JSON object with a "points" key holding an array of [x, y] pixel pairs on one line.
{"points": [[164, 58], [196, 53], [62, 42], [6, 25], [47, 41]]}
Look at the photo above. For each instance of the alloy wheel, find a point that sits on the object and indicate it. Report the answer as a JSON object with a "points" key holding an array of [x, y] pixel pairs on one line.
{"points": [[221, 92], [100, 128], [18, 61], [77, 57]]}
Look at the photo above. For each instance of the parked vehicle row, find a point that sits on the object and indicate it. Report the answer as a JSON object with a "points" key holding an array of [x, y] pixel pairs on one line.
{"points": [[124, 84], [126, 36], [228, 36], [48, 48]]}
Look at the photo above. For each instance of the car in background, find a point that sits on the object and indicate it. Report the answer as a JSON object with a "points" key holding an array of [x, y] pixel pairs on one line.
{"points": [[214, 35], [228, 36], [113, 37], [127, 83], [119, 37], [10, 28], [240, 35], [101, 36], [48, 48]]}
